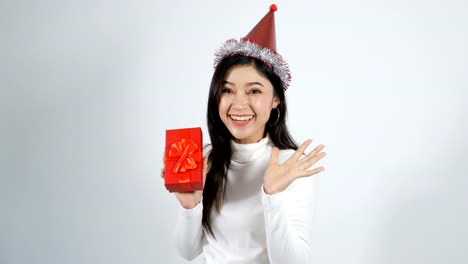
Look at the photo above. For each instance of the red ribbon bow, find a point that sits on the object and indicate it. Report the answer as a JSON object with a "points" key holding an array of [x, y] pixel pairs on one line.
{"points": [[186, 151]]}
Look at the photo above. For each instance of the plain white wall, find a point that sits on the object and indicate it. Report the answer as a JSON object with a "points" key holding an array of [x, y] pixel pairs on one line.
{"points": [[89, 87]]}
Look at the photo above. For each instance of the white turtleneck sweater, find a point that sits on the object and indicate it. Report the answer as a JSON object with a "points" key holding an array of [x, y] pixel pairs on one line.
{"points": [[252, 227]]}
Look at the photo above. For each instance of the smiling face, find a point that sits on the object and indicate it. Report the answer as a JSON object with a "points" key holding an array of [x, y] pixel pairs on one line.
{"points": [[245, 103]]}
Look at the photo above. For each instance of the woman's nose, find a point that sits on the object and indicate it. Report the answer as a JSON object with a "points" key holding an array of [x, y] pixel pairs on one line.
{"points": [[239, 106], [240, 101]]}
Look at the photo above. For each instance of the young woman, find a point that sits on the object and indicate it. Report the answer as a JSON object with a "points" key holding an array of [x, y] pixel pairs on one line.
{"points": [[257, 201]]}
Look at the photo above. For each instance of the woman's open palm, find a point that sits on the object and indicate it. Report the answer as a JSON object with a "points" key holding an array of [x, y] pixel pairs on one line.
{"points": [[278, 177]]}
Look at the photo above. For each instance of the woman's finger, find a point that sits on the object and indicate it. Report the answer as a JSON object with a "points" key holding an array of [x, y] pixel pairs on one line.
{"points": [[164, 162], [314, 152], [205, 169], [300, 151], [307, 173], [274, 155], [311, 161]]}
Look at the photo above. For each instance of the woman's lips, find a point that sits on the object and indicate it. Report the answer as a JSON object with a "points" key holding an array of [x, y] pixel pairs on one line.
{"points": [[241, 120]]}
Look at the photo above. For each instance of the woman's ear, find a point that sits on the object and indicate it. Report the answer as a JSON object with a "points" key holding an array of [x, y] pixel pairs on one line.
{"points": [[276, 102]]}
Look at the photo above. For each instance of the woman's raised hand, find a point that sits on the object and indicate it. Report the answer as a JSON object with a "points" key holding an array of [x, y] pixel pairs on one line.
{"points": [[278, 177], [189, 200]]}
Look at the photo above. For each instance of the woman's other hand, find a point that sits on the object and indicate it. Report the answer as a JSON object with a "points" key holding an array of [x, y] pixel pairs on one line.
{"points": [[278, 177]]}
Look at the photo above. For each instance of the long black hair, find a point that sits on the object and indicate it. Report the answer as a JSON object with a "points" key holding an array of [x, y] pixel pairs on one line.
{"points": [[220, 156]]}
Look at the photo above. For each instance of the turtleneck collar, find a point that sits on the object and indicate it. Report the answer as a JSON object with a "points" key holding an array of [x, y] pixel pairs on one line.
{"points": [[245, 153]]}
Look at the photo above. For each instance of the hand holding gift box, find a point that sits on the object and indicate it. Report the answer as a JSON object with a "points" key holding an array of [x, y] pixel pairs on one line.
{"points": [[183, 160]]}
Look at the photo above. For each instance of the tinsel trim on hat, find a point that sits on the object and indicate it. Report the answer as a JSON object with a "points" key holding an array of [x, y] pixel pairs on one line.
{"points": [[250, 49]]}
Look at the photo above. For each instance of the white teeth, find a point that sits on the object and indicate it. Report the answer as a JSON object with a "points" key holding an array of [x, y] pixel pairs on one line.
{"points": [[241, 118]]}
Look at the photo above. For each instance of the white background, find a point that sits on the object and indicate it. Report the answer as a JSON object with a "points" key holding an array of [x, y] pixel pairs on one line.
{"points": [[89, 87]]}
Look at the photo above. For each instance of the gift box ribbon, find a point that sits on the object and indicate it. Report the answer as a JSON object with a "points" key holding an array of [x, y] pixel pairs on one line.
{"points": [[188, 154]]}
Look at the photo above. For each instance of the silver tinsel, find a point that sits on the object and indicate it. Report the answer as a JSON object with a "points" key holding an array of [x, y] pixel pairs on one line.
{"points": [[250, 49]]}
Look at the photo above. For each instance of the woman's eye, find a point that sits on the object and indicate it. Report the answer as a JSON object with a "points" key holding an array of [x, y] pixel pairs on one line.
{"points": [[226, 90], [255, 91]]}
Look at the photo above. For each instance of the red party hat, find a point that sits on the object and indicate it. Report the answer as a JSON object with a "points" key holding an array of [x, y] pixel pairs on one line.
{"points": [[264, 32], [259, 43]]}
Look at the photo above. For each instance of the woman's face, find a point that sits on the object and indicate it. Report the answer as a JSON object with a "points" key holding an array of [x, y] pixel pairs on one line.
{"points": [[245, 103]]}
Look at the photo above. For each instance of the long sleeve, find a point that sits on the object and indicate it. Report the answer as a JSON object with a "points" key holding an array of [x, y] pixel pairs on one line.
{"points": [[188, 232], [288, 222]]}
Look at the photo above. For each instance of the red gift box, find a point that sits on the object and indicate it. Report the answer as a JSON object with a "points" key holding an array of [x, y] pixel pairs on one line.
{"points": [[184, 160]]}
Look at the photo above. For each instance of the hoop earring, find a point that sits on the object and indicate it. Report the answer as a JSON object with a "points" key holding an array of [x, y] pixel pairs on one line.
{"points": [[277, 117]]}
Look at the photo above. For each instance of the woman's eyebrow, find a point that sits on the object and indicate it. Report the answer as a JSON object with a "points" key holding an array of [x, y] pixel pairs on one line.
{"points": [[248, 84], [254, 83]]}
